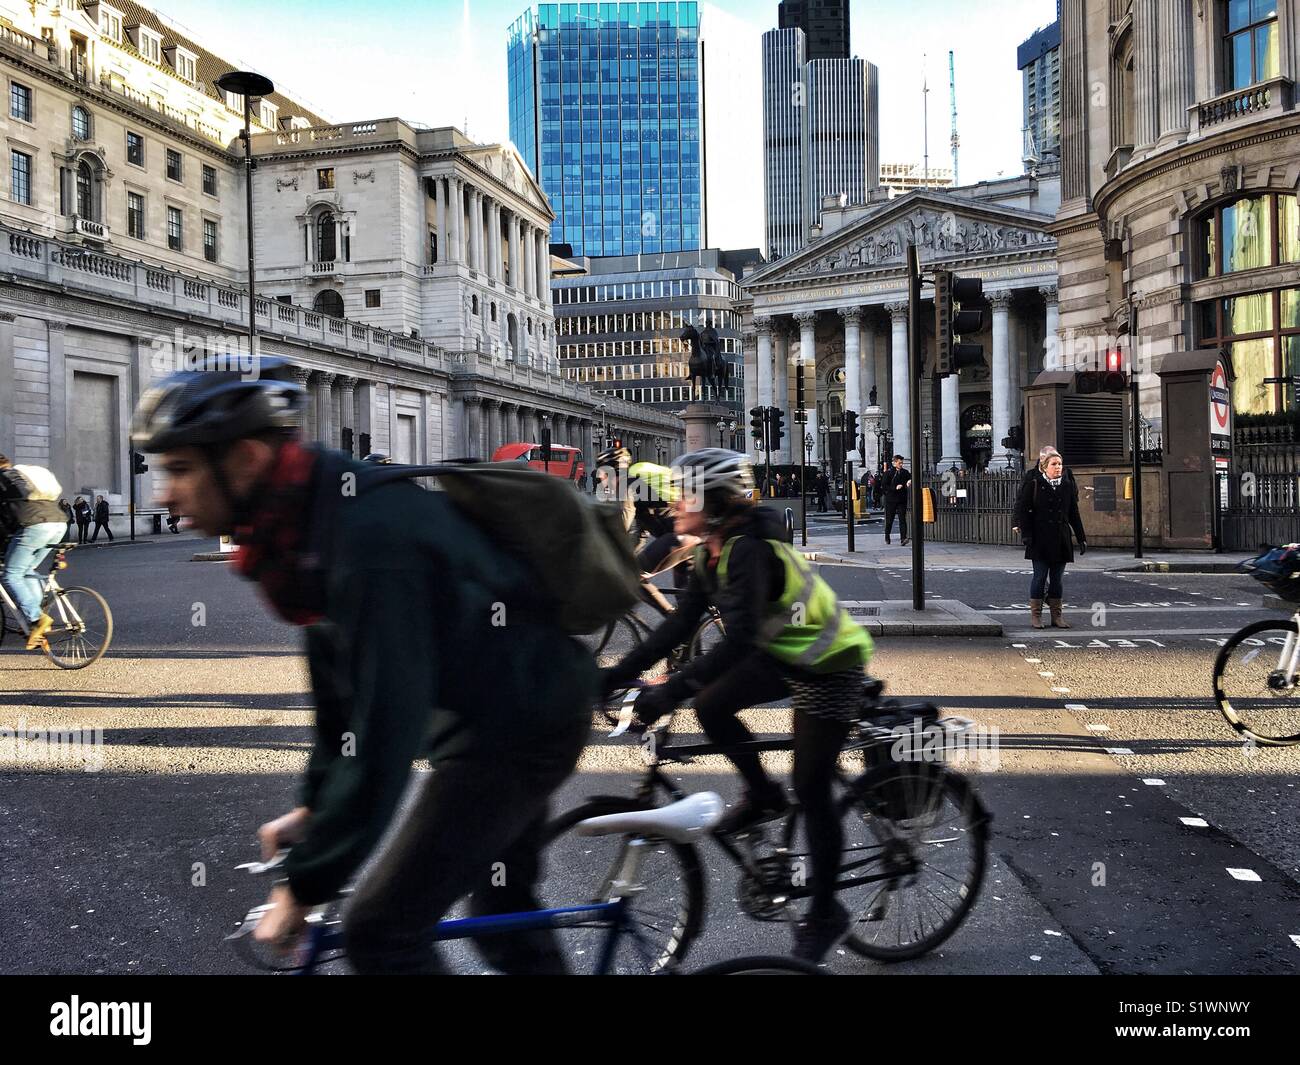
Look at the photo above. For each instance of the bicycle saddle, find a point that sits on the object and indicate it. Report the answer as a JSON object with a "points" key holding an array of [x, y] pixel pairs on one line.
{"points": [[680, 822]]}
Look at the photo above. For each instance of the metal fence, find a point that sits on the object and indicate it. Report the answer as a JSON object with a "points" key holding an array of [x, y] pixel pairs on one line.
{"points": [[1259, 503], [974, 508]]}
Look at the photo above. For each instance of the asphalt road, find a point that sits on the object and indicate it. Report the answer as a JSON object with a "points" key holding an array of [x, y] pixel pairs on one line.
{"points": [[204, 706]]}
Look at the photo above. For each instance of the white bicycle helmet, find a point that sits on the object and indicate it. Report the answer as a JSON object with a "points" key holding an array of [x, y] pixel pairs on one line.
{"points": [[716, 471]]}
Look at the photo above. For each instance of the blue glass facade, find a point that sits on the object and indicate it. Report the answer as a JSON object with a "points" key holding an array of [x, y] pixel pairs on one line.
{"points": [[609, 95]]}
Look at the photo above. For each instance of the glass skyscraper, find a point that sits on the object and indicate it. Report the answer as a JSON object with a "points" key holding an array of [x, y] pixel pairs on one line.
{"points": [[609, 97]]}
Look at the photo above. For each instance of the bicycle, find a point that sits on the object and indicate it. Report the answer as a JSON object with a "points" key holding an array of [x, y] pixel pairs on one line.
{"points": [[1258, 694], [681, 822], [83, 623], [907, 821]]}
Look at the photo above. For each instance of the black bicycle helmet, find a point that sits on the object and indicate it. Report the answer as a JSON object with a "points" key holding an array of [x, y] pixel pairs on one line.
{"points": [[198, 408]]}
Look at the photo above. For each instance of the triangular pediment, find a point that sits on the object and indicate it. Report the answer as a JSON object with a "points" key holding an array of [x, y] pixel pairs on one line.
{"points": [[943, 227], [504, 163]]}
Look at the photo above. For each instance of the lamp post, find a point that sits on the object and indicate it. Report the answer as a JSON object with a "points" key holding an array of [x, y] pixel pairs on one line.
{"points": [[823, 433], [722, 427], [927, 432], [871, 419], [248, 85]]}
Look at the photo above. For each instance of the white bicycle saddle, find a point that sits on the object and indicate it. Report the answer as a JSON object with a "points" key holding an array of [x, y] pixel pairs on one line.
{"points": [[680, 822]]}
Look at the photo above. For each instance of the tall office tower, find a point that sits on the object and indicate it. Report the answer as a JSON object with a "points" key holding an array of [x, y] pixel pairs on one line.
{"points": [[610, 106], [824, 22], [820, 136], [1039, 60]]}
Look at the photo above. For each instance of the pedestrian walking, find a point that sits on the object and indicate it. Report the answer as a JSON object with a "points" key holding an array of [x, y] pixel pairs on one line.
{"points": [[81, 511], [897, 488], [1047, 511], [101, 519], [67, 513], [173, 520]]}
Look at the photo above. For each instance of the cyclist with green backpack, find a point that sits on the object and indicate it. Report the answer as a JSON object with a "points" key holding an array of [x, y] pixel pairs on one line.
{"points": [[425, 638], [786, 635]]}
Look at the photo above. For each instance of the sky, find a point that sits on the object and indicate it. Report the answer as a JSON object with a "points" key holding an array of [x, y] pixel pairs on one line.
{"points": [[443, 62]]}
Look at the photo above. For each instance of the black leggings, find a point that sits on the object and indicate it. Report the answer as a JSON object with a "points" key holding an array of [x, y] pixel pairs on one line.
{"points": [[817, 745]]}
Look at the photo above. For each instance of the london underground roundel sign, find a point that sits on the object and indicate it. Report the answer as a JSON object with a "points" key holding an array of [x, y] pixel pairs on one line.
{"points": [[1220, 401]]}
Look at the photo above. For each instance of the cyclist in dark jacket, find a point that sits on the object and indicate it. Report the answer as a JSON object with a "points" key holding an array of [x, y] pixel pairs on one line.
{"points": [[401, 599]]}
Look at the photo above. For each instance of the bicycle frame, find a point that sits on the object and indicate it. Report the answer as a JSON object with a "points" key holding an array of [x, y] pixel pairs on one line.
{"points": [[1289, 660]]}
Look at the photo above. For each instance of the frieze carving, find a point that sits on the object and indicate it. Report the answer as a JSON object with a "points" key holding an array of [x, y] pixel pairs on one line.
{"points": [[945, 234], [363, 175], [286, 183], [1229, 180]]}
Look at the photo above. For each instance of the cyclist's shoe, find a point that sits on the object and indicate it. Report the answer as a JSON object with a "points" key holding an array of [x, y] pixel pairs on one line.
{"points": [[36, 638], [817, 933], [752, 811]]}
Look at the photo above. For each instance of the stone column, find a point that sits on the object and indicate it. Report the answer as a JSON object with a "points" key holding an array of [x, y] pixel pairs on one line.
{"points": [[476, 228], [1146, 75], [494, 239], [456, 206], [516, 269], [763, 360], [900, 396], [1176, 86], [1000, 371], [527, 260], [1076, 89], [781, 388], [442, 189], [950, 422], [324, 423], [473, 428], [1051, 342], [544, 268], [347, 411], [867, 348], [852, 368], [303, 377], [491, 408]]}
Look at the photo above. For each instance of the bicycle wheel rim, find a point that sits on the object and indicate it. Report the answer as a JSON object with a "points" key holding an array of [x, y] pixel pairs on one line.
{"points": [[762, 965], [943, 828], [83, 628], [1244, 672], [667, 913]]}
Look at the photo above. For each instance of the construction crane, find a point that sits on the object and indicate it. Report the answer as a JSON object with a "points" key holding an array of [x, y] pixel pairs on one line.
{"points": [[952, 92]]}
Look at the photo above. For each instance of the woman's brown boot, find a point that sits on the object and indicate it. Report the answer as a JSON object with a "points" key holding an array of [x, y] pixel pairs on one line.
{"points": [[1058, 622], [1036, 613]]}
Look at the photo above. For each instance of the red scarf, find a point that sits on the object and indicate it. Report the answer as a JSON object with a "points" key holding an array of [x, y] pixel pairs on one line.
{"points": [[273, 539]]}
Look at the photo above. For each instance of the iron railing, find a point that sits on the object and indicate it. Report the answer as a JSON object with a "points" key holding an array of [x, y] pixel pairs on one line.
{"points": [[974, 508], [1260, 503]]}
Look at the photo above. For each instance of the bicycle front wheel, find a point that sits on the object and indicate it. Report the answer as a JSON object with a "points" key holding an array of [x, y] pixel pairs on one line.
{"points": [[1257, 684], [666, 912], [83, 628], [916, 841], [762, 965]]}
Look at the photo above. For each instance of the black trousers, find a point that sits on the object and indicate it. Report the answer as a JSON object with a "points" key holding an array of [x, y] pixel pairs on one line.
{"points": [[83, 528], [476, 828], [817, 744], [899, 509], [101, 525]]}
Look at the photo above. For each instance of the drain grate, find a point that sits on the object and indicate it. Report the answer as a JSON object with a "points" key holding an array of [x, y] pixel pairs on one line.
{"points": [[869, 611]]}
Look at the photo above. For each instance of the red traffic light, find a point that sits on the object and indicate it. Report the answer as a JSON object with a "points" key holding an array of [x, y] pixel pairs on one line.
{"points": [[1114, 360]]}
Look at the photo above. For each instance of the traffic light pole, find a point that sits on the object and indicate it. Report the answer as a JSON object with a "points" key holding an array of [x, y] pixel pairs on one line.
{"points": [[1137, 435], [848, 498], [914, 380], [131, 459]]}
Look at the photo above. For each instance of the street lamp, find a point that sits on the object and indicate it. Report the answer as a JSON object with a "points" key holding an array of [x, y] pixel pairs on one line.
{"points": [[823, 432], [732, 426], [247, 84], [927, 432], [722, 428]]}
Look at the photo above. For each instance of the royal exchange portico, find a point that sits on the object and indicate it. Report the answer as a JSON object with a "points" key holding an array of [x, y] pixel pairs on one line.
{"points": [[840, 307]]}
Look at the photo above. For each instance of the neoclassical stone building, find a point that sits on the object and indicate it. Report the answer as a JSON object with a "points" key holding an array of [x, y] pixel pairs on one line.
{"points": [[840, 307]]}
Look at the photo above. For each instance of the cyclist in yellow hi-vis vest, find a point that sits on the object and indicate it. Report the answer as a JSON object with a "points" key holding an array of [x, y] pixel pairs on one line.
{"points": [[786, 635]]}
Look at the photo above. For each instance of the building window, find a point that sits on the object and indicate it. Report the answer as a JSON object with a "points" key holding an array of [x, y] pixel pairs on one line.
{"points": [[174, 164], [150, 45], [210, 240], [175, 229], [210, 180], [268, 114], [433, 246], [20, 102], [1251, 40], [372, 297], [325, 238], [1261, 333], [328, 302], [134, 148], [85, 191], [494, 311], [325, 177], [110, 25], [184, 65], [135, 215], [473, 305], [80, 123], [20, 177], [1248, 234]]}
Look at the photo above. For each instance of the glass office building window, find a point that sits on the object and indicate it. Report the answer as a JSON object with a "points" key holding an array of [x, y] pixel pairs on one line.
{"points": [[604, 105]]}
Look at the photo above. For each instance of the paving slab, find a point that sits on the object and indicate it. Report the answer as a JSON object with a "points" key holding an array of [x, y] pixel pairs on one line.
{"points": [[941, 617]]}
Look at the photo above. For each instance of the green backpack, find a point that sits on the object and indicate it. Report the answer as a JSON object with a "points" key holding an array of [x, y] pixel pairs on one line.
{"points": [[582, 554]]}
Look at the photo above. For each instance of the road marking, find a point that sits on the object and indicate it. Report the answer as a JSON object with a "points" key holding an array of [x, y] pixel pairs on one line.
{"points": [[1099, 728], [1075, 706], [1022, 646], [1062, 691], [1035, 957], [1154, 782], [1049, 932], [1134, 608], [1118, 751], [1296, 940], [1046, 673], [1244, 874], [1036, 634], [1195, 822], [1033, 661]]}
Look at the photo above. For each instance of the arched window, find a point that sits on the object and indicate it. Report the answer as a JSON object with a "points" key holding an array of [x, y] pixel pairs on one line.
{"points": [[494, 311], [328, 302], [80, 123], [325, 238], [473, 304], [85, 190]]}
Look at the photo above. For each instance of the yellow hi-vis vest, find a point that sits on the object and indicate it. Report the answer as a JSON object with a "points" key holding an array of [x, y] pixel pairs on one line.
{"points": [[806, 626]]}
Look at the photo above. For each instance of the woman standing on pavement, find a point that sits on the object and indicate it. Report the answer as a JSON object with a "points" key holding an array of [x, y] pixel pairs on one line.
{"points": [[1047, 510]]}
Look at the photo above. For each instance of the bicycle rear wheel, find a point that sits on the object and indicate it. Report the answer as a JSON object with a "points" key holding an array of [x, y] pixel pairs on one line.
{"points": [[921, 829], [667, 912], [762, 965], [1256, 691], [83, 628]]}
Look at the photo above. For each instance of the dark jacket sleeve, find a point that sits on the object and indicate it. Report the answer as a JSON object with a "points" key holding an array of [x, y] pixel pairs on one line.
{"points": [[1024, 518], [372, 727], [1076, 519], [674, 630], [749, 574]]}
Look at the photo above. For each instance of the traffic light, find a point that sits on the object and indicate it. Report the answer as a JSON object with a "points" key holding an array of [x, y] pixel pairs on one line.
{"points": [[1015, 441], [776, 427], [954, 318], [757, 420], [138, 465], [850, 430], [1112, 379]]}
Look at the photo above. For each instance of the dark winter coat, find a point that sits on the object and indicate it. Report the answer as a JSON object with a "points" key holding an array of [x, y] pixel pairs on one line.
{"points": [[1045, 517]]}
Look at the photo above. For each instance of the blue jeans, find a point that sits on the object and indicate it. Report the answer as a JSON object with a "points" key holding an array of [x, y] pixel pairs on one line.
{"points": [[1046, 575], [26, 551]]}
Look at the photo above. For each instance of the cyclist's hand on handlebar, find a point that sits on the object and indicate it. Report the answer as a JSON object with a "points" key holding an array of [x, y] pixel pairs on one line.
{"points": [[283, 832], [654, 702]]}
